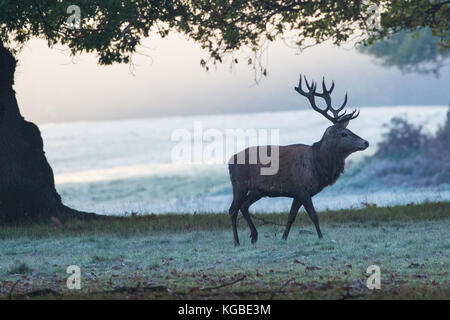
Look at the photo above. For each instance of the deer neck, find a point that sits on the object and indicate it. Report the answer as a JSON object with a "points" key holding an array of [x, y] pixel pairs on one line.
{"points": [[329, 162]]}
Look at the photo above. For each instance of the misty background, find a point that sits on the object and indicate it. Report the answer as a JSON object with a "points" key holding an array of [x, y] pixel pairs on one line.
{"points": [[166, 79], [107, 129]]}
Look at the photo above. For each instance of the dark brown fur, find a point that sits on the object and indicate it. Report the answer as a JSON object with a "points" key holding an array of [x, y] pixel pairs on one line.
{"points": [[303, 172]]}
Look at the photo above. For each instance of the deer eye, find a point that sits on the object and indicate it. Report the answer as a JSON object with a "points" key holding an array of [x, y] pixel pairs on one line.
{"points": [[344, 134]]}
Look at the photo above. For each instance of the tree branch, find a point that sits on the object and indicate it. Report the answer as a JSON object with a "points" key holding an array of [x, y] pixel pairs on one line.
{"points": [[225, 284], [47, 26]]}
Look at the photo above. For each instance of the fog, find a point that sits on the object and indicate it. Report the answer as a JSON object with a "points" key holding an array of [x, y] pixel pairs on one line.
{"points": [[166, 79]]}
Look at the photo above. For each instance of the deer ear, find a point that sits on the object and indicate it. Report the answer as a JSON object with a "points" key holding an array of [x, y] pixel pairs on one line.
{"points": [[343, 124]]}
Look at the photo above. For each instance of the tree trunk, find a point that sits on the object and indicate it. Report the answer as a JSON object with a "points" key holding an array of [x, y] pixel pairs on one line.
{"points": [[27, 187]]}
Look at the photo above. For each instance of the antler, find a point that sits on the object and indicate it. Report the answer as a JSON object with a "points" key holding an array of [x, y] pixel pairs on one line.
{"points": [[311, 94]]}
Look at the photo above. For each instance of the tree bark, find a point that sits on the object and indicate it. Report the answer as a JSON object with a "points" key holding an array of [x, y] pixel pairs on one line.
{"points": [[27, 187]]}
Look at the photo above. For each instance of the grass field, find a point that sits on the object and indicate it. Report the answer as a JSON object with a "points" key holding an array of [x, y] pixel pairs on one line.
{"points": [[192, 256]]}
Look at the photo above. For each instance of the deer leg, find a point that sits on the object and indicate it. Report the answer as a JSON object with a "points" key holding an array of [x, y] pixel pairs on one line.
{"points": [[312, 214], [252, 198], [296, 204], [238, 197]]}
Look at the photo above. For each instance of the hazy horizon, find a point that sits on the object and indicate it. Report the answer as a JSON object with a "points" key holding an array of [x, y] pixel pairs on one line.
{"points": [[169, 81]]}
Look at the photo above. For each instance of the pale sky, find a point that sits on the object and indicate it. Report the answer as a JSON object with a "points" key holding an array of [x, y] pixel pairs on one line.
{"points": [[51, 86]]}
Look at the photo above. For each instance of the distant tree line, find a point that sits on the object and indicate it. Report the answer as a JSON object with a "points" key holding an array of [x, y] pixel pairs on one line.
{"points": [[410, 52]]}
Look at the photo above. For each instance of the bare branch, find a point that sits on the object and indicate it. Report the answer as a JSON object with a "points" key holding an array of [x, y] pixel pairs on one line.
{"points": [[225, 284]]}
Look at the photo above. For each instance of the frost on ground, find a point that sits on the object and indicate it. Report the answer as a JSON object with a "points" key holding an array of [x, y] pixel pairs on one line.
{"points": [[139, 175], [413, 256]]}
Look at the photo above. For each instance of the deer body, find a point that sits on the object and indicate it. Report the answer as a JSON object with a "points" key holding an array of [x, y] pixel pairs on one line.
{"points": [[303, 170], [297, 174]]}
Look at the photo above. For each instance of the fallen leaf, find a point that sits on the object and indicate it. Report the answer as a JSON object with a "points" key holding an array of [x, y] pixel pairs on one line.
{"points": [[313, 268]]}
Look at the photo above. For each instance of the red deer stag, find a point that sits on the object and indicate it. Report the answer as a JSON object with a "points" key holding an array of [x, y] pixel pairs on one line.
{"points": [[303, 171]]}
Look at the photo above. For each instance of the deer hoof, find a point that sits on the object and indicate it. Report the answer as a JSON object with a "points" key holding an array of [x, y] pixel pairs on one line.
{"points": [[254, 238]]}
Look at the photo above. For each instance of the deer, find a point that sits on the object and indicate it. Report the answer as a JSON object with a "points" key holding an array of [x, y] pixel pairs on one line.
{"points": [[303, 170]]}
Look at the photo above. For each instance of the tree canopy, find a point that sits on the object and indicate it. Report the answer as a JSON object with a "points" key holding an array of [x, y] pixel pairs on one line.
{"points": [[114, 28], [410, 52]]}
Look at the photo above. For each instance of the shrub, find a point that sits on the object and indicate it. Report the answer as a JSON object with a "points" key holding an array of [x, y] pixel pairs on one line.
{"points": [[442, 140], [409, 157], [402, 139]]}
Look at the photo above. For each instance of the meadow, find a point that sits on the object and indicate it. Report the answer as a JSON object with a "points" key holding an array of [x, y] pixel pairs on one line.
{"points": [[191, 256]]}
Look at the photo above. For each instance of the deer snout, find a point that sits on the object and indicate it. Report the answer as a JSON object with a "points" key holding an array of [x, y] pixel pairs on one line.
{"points": [[365, 145]]}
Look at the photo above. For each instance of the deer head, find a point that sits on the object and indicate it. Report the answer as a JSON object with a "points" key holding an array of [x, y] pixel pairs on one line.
{"points": [[337, 136]]}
